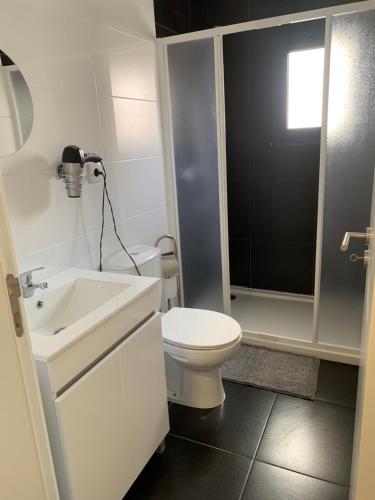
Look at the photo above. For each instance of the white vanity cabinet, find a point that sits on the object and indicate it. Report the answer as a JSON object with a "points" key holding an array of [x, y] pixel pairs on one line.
{"points": [[106, 425]]}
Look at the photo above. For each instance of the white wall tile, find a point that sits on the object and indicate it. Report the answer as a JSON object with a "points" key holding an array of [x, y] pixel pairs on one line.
{"points": [[131, 16], [82, 252], [60, 118], [124, 65], [130, 128], [43, 214], [136, 186], [146, 228], [52, 49]]}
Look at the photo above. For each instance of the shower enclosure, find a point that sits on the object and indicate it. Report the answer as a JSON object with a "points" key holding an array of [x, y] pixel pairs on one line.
{"points": [[269, 137]]}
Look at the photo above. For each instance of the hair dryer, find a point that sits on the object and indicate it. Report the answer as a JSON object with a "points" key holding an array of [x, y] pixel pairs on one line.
{"points": [[71, 169]]}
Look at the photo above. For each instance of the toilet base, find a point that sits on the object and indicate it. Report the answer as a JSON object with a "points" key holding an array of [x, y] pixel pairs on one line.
{"points": [[198, 389]]}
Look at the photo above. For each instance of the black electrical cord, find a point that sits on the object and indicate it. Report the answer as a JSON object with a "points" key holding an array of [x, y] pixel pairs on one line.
{"points": [[97, 172]]}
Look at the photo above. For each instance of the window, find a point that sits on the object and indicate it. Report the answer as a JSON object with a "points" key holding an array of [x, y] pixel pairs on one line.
{"points": [[305, 88]]}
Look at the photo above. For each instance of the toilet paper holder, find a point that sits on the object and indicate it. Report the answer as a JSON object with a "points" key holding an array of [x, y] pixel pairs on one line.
{"points": [[173, 253]]}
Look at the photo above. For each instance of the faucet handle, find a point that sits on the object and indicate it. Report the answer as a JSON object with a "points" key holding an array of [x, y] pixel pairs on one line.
{"points": [[26, 277], [27, 285], [36, 269]]}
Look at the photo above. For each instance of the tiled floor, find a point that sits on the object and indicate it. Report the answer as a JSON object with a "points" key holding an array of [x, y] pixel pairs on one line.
{"points": [[259, 445]]}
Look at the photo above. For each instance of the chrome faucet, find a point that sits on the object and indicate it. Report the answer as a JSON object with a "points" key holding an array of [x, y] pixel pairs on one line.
{"points": [[27, 285]]}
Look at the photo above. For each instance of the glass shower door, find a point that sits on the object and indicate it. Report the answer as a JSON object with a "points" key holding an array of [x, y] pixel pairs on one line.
{"points": [[349, 176], [192, 85]]}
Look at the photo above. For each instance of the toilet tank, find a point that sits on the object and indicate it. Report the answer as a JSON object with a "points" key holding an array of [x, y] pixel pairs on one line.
{"points": [[147, 258]]}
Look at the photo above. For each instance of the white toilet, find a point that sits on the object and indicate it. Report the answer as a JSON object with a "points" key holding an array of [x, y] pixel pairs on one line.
{"points": [[196, 342]]}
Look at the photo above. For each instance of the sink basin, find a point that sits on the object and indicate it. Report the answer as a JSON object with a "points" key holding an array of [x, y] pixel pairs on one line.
{"points": [[59, 307], [83, 313]]}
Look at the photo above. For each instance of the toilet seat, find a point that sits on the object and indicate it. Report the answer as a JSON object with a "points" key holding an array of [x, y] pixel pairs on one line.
{"points": [[199, 329]]}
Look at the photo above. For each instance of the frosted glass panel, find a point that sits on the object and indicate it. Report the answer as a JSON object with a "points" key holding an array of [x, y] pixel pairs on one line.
{"points": [[193, 102], [350, 163]]}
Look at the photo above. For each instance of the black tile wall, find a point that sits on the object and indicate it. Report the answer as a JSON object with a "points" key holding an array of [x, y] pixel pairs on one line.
{"points": [[171, 17], [260, 9], [239, 251], [279, 168], [283, 266], [223, 12], [239, 210], [283, 209], [198, 15], [237, 53], [183, 16]]}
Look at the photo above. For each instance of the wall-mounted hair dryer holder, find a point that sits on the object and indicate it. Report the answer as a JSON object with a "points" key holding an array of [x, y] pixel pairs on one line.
{"points": [[71, 169]]}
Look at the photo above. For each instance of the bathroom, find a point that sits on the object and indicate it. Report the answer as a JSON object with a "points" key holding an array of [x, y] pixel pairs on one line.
{"points": [[106, 397]]}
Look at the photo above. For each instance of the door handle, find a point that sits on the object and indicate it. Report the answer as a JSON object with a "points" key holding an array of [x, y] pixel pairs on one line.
{"points": [[344, 247]]}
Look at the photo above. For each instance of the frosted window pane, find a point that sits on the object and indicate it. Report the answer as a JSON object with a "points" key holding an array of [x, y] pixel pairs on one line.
{"points": [[305, 88]]}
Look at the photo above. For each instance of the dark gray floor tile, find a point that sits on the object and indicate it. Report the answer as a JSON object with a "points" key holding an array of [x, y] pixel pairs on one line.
{"points": [[188, 471], [311, 437], [337, 383], [267, 482], [236, 425]]}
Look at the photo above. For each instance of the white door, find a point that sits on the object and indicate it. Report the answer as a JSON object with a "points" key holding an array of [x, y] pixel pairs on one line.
{"points": [[363, 477], [26, 470]]}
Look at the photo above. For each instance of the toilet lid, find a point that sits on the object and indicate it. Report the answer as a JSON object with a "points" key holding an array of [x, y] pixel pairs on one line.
{"points": [[199, 329]]}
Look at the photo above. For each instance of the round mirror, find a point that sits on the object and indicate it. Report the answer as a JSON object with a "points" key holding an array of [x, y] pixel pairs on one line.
{"points": [[16, 107]]}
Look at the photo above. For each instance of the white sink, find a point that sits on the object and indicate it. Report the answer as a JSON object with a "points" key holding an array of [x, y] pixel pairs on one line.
{"points": [[55, 309], [83, 313]]}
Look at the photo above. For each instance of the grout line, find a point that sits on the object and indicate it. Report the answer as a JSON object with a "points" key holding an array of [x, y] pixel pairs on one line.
{"points": [[265, 426], [166, 28], [303, 474], [257, 448], [50, 168], [246, 479], [343, 405], [125, 98], [117, 163], [143, 37], [228, 381], [210, 446], [91, 232]]}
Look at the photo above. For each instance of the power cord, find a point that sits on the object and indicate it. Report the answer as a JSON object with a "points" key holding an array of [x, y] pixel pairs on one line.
{"points": [[97, 173]]}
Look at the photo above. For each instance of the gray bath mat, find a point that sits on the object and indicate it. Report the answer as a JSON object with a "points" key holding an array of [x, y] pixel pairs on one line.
{"points": [[278, 371]]}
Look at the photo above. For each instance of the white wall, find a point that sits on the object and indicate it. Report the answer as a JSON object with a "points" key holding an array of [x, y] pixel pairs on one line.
{"points": [[92, 85]]}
